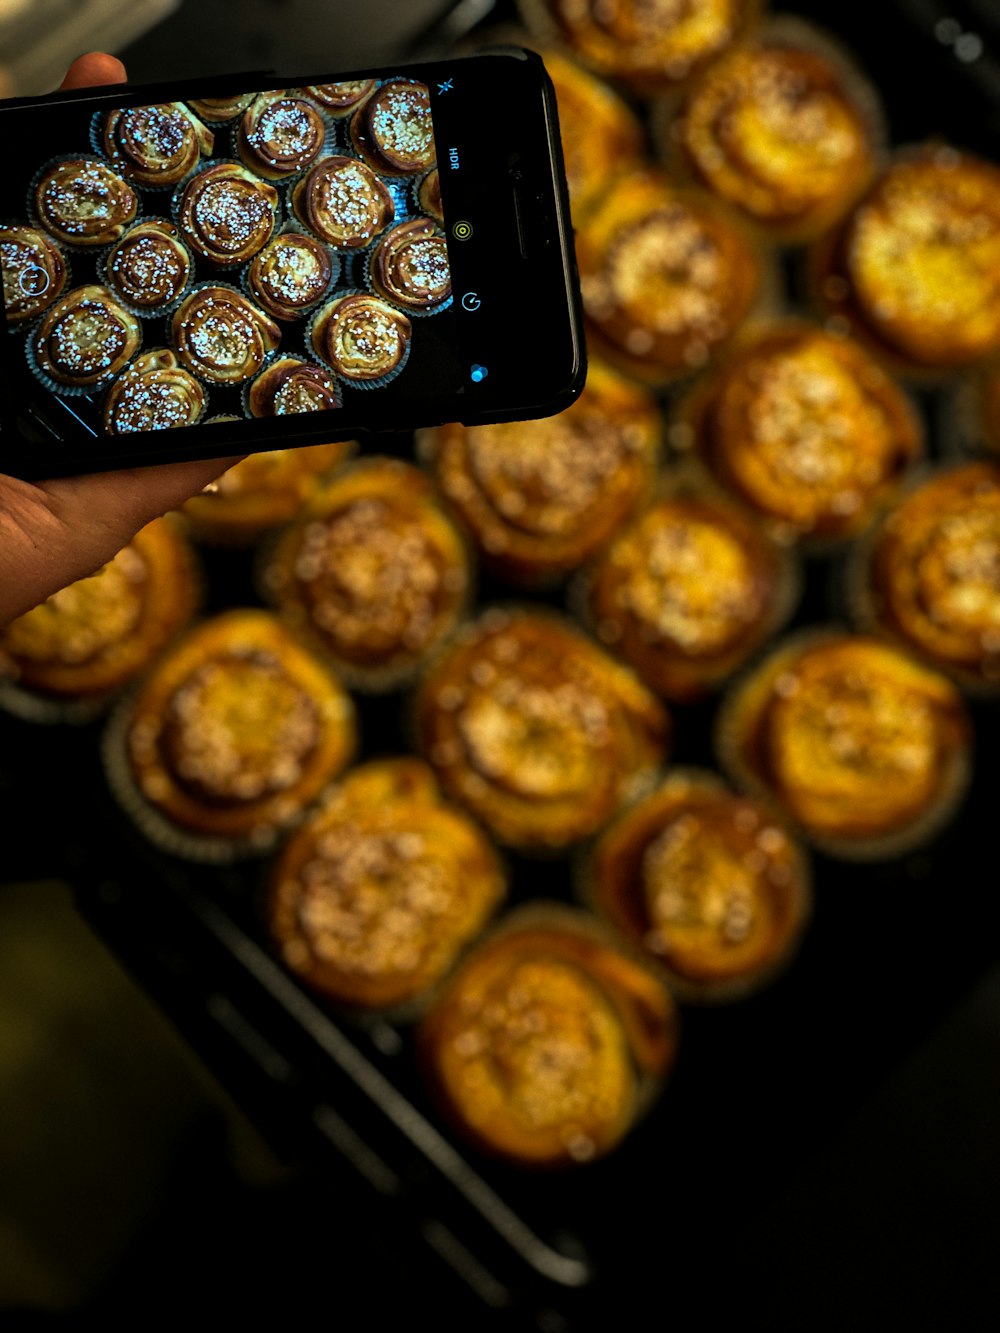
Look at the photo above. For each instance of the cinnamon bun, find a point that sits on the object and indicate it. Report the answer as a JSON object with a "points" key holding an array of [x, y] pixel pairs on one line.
{"points": [[377, 893], [392, 130], [35, 272], [362, 339], [84, 338], [154, 393], [279, 135], [340, 99], [409, 267], [150, 267], [227, 214], [289, 385], [343, 202], [536, 730], [83, 201], [221, 336], [155, 146], [291, 275]]}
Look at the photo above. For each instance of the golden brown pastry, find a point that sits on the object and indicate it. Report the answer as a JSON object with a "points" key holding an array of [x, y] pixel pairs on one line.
{"points": [[154, 393], [100, 633], [601, 136], [933, 573], [226, 213], [392, 129], [83, 201], [866, 750], [340, 99], [775, 130], [155, 146], [221, 336], [85, 337], [290, 385], [707, 882], [234, 733], [280, 134], [374, 570], [343, 202], [217, 110], [549, 1042], [687, 592], [429, 195], [262, 491], [362, 339], [916, 267], [649, 44], [34, 269], [378, 892], [666, 276], [150, 267], [539, 497], [409, 267], [536, 730], [291, 275], [806, 429]]}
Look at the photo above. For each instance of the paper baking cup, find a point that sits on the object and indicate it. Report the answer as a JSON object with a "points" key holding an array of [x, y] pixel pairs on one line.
{"points": [[161, 831], [337, 263], [38, 221], [45, 711], [175, 213], [103, 259], [415, 206], [345, 380]]}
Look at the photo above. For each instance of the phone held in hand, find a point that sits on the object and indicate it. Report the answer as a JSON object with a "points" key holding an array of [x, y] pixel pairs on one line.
{"points": [[196, 270]]}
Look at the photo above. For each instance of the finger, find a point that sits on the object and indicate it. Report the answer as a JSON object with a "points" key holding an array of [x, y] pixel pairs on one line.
{"points": [[94, 69], [112, 506]]}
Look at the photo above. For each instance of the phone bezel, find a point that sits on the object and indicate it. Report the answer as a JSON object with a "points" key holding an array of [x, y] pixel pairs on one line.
{"points": [[541, 289]]}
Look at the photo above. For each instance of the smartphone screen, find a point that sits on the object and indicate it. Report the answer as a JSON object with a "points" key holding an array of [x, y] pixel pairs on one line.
{"points": [[194, 271]]}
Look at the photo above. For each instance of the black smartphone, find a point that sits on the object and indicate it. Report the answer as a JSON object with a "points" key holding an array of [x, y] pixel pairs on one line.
{"points": [[230, 266]]}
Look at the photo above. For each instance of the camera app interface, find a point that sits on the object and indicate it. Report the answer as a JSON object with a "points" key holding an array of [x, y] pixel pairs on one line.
{"points": [[230, 258]]}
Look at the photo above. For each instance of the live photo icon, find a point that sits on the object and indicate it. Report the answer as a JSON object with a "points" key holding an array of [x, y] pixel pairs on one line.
{"points": [[478, 373]]}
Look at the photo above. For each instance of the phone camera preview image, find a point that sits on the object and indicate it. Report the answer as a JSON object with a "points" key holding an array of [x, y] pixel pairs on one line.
{"points": [[240, 257]]}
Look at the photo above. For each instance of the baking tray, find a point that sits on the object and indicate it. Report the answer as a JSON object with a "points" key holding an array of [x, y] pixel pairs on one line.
{"points": [[760, 1087]]}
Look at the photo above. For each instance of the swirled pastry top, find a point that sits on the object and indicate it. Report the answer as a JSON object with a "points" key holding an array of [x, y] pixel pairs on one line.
{"points": [[409, 266], [85, 337], [219, 109], [227, 214], [83, 201], [546, 1043], [935, 572], [291, 385], [706, 881], [916, 267], [774, 130], [238, 728], [650, 44], [34, 270], [155, 145], [154, 393], [864, 748], [262, 491], [291, 274], [686, 593], [601, 136], [150, 266], [280, 134], [376, 893], [374, 569], [101, 632], [808, 430], [541, 496], [361, 337], [343, 202], [221, 336], [666, 277], [392, 129], [537, 730], [340, 99]]}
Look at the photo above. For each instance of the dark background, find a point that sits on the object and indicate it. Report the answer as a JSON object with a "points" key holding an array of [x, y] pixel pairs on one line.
{"points": [[844, 1170]]}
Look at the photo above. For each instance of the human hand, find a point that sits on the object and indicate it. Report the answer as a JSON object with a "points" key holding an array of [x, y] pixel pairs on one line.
{"points": [[55, 532]]}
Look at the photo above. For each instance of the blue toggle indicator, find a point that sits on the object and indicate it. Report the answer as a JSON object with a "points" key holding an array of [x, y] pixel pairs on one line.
{"points": [[478, 373]]}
